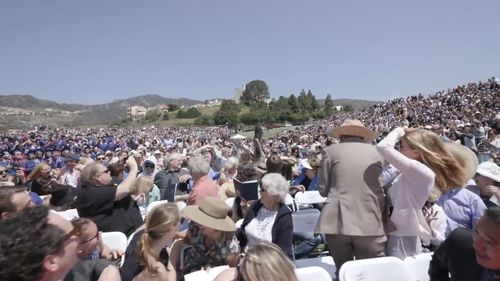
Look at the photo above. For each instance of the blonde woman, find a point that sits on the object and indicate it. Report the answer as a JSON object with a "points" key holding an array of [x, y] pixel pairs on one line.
{"points": [[264, 261], [423, 162], [139, 191], [146, 257], [42, 179]]}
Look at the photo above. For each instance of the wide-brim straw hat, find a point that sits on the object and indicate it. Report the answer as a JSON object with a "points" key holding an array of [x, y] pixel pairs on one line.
{"points": [[466, 157], [354, 128], [211, 213]]}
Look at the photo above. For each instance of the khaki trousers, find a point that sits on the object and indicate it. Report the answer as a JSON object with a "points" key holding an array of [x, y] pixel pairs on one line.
{"points": [[344, 248]]}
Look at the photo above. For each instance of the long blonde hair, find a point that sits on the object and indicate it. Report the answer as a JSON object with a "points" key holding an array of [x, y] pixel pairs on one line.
{"points": [[36, 173], [159, 221], [266, 261], [433, 153], [142, 184]]}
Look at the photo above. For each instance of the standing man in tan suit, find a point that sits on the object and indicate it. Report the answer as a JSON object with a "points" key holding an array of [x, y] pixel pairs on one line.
{"points": [[352, 218]]}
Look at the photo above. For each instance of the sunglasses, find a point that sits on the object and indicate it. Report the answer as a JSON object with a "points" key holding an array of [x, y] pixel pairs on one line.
{"points": [[101, 158], [262, 190], [149, 166], [1, 172]]}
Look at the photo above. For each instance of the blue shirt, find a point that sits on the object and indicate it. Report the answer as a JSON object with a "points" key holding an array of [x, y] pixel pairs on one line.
{"points": [[462, 207]]}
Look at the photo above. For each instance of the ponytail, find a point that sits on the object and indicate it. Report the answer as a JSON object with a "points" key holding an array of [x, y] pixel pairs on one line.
{"points": [[145, 254]]}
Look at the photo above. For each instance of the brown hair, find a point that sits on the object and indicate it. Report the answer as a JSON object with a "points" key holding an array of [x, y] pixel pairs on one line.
{"points": [[448, 171], [6, 193], [159, 221]]}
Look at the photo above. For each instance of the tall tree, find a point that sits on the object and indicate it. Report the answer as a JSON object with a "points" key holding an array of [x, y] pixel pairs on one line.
{"points": [[294, 103], [227, 114], [255, 91], [328, 105]]}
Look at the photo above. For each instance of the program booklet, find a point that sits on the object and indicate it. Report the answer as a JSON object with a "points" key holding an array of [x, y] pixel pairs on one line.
{"points": [[248, 190]]}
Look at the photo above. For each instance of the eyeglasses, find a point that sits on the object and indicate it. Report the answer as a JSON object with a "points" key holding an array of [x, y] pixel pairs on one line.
{"points": [[96, 236], [1, 172], [262, 190], [101, 158], [74, 232], [149, 166]]}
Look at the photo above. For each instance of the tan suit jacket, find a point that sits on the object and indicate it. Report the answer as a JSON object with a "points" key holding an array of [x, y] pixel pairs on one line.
{"points": [[355, 203]]}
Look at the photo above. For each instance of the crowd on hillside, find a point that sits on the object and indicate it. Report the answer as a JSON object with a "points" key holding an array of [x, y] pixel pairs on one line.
{"points": [[399, 178]]}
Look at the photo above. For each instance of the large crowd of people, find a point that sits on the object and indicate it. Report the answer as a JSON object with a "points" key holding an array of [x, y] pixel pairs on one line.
{"points": [[400, 178]]}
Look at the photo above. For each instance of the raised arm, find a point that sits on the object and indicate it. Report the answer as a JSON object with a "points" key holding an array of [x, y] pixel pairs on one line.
{"points": [[124, 187]]}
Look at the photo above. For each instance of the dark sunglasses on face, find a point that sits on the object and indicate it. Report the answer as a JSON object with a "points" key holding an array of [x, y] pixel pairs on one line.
{"points": [[100, 158], [149, 166]]}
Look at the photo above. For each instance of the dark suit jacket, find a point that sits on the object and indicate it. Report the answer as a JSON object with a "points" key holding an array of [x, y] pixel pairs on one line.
{"points": [[455, 257]]}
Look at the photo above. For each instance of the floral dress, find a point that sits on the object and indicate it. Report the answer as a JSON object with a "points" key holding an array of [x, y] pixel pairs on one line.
{"points": [[200, 256]]}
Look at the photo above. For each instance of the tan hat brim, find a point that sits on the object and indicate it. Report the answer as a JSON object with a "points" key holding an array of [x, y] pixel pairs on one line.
{"points": [[195, 214], [352, 130], [466, 157]]}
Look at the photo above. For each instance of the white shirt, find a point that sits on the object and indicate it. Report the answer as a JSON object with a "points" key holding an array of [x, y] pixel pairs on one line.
{"points": [[260, 228]]}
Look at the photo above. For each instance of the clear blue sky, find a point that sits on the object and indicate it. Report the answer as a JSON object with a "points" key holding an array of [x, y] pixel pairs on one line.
{"points": [[95, 51]]}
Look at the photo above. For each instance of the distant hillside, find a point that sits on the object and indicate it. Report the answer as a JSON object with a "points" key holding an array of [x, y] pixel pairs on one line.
{"points": [[90, 114]]}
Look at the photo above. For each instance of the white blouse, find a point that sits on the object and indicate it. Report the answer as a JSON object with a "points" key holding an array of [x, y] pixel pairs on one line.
{"points": [[260, 228]]}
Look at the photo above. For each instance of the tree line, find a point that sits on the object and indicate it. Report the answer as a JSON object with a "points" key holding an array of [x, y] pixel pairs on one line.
{"points": [[259, 109]]}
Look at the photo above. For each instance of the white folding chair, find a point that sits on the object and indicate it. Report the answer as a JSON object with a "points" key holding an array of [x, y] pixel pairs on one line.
{"points": [[326, 263], [308, 198], [115, 240], [311, 273], [154, 204], [304, 223], [239, 223], [385, 268], [205, 275], [289, 201], [418, 266], [69, 214]]}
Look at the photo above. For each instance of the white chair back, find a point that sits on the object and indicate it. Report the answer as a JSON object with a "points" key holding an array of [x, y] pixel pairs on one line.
{"points": [[385, 268], [326, 263], [290, 202], [69, 214], [418, 266], [239, 223], [312, 273], [309, 197], [114, 240], [154, 204], [304, 222], [205, 275]]}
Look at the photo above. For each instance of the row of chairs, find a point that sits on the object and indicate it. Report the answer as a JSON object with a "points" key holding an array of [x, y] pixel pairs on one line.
{"points": [[376, 269], [304, 274], [388, 269]]}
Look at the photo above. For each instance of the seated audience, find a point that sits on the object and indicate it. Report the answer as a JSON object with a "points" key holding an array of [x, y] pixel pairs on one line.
{"points": [[110, 207], [146, 257], [470, 255], [264, 261], [37, 245], [211, 235], [269, 219], [13, 199]]}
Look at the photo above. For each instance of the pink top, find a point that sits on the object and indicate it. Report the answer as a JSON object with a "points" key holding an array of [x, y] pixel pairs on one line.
{"points": [[202, 188]]}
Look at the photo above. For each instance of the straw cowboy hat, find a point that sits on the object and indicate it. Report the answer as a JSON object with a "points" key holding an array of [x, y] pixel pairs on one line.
{"points": [[466, 157], [211, 213], [353, 128]]}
